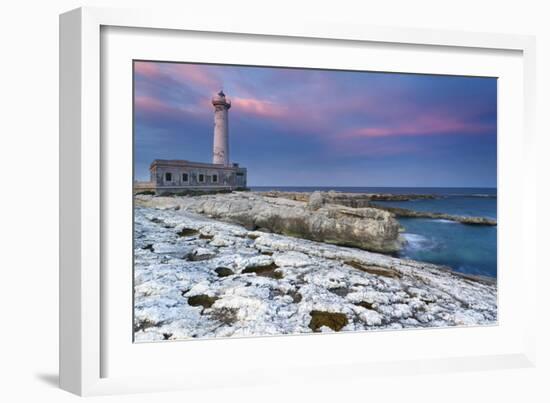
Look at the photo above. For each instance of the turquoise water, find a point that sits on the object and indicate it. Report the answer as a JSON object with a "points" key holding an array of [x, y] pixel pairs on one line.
{"points": [[465, 248]]}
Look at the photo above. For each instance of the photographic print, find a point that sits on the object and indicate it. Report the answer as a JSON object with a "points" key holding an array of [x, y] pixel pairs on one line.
{"points": [[276, 201]]}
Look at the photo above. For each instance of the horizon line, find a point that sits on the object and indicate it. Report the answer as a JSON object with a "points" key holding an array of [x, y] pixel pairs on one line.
{"points": [[375, 186]]}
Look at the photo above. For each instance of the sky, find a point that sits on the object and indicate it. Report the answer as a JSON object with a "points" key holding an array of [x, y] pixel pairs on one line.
{"points": [[309, 127]]}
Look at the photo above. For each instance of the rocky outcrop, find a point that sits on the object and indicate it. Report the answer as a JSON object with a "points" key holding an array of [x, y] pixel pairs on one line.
{"points": [[355, 200], [362, 200], [366, 228], [403, 212]]}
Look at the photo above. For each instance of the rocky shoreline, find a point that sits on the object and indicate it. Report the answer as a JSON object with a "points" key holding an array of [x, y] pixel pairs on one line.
{"points": [[403, 212], [362, 200], [354, 200], [197, 276], [366, 228], [345, 219]]}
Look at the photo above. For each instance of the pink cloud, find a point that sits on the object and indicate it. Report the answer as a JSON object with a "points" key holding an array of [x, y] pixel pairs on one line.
{"points": [[296, 117], [424, 125], [260, 108], [147, 69], [150, 105], [196, 74]]}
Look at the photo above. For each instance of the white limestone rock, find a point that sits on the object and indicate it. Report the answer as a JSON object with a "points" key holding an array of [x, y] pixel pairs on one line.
{"points": [[291, 259], [169, 271]]}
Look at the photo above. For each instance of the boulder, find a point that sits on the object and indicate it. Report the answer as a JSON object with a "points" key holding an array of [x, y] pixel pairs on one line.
{"points": [[315, 201]]}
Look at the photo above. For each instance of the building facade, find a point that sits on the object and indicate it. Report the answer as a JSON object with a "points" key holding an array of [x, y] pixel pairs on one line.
{"points": [[179, 176], [173, 176]]}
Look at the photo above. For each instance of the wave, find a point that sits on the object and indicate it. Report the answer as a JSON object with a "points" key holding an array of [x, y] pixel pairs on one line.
{"points": [[444, 221], [418, 242], [473, 195]]}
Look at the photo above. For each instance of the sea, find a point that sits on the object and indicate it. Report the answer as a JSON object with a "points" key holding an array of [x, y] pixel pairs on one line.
{"points": [[468, 249]]}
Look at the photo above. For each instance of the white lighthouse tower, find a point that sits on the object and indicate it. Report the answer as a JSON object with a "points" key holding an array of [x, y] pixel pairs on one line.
{"points": [[220, 152]]}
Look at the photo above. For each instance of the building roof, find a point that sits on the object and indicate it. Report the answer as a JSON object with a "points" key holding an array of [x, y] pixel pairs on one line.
{"points": [[185, 163]]}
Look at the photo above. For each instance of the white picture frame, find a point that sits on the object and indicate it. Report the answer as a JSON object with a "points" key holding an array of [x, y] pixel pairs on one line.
{"points": [[86, 301]]}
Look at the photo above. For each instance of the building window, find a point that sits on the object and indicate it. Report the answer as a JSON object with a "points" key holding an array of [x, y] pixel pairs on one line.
{"points": [[215, 178], [168, 177], [201, 177], [185, 177], [240, 174]]}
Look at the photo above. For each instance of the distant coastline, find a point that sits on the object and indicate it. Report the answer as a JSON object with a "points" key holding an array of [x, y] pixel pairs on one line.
{"points": [[490, 192]]}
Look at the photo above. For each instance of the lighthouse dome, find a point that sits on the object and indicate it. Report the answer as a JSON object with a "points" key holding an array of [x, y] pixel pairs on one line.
{"points": [[220, 99]]}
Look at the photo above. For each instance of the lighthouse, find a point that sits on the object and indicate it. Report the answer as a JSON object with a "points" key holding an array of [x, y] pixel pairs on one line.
{"points": [[220, 152], [185, 177]]}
